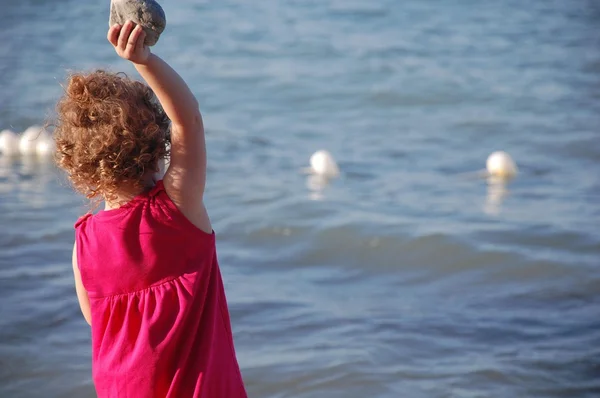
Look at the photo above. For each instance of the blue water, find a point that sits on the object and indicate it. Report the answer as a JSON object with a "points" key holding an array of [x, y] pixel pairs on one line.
{"points": [[405, 277]]}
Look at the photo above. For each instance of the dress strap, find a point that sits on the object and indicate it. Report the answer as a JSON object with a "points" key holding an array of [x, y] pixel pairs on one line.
{"points": [[158, 188]]}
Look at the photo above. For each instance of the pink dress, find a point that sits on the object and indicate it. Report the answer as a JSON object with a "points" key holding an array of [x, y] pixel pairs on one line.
{"points": [[160, 324]]}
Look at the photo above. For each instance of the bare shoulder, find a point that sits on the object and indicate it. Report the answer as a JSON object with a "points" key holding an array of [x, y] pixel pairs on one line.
{"points": [[188, 200]]}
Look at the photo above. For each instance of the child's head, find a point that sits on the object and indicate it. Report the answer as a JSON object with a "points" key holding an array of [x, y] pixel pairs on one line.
{"points": [[110, 133]]}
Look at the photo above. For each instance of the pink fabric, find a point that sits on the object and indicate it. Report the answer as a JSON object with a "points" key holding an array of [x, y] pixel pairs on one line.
{"points": [[160, 324]]}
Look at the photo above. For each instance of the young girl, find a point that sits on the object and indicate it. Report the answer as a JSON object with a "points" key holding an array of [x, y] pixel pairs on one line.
{"points": [[145, 267]]}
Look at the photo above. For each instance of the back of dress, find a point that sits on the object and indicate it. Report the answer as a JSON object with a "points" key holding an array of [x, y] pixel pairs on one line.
{"points": [[160, 324]]}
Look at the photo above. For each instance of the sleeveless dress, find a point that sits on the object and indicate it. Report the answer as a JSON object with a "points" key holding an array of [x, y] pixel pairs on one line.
{"points": [[160, 323]]}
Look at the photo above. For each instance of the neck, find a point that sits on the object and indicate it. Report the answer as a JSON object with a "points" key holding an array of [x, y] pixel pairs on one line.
{"points": [[127, 193]]}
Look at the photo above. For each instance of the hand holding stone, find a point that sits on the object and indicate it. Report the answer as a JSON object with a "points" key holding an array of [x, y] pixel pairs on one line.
{"points": [[147, 13], [128, 41]]}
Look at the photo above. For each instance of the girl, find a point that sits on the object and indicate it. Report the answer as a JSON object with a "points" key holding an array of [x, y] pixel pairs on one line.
{"points": [[146, 271]]}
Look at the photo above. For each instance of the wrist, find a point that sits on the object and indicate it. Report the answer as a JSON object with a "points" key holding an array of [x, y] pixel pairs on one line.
{"points": [[144, 63]]}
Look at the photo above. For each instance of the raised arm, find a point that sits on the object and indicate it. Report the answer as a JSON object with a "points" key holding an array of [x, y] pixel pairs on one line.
{"points": [[186, 176]]}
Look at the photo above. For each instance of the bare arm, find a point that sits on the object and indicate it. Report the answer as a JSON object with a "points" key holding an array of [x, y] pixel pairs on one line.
{"points": [[82, 296], [186, 177]]}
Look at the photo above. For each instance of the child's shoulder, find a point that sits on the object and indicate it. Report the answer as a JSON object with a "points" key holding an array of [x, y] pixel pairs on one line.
{"points": [[82, 220]]}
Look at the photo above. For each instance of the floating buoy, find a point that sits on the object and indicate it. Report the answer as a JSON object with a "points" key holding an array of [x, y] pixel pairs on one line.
{"points": [[28, 142], [9, 143], [44, 144], [500, 164], [323, 164]]}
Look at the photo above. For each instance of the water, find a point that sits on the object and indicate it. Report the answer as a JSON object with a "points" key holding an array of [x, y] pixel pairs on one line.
{"points": [[403, 278]]}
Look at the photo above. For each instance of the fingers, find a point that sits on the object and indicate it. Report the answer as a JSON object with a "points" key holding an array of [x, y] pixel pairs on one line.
{"points": [[124, 35], [134, 40], [128, 41], [139, 46], [113, 34]]}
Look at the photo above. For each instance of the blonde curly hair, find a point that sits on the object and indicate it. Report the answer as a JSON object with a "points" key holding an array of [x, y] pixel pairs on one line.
{"points": [[110, 131]]}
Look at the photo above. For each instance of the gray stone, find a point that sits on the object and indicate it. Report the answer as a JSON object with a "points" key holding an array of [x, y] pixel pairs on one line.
{"points": [[147, 13]]}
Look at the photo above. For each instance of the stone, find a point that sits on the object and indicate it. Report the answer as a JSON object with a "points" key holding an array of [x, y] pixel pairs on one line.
{"points": [[147, 13]]}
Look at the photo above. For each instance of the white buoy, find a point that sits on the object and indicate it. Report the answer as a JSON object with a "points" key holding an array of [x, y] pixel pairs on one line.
{"points": [[323, 164], [28, 142], [500, 164], [9, 143], [44, 144]]}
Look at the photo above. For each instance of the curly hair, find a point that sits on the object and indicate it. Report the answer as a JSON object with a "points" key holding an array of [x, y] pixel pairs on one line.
{"points": [[109, 132]]}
